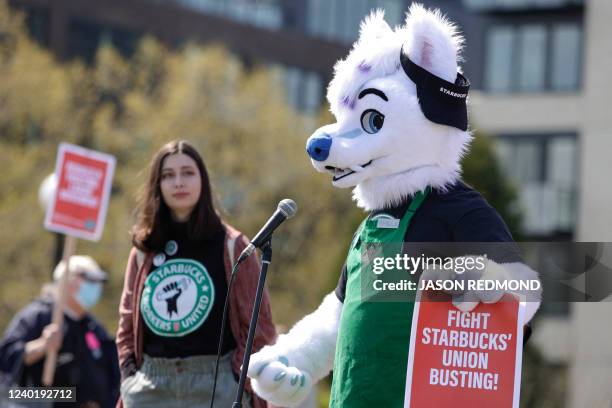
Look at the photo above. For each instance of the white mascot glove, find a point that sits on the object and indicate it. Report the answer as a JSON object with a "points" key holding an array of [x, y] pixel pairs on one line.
{"points": [[285, 372], [275, 380], [466, 300]]}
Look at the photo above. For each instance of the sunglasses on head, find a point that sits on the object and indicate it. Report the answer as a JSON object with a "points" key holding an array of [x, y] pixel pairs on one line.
{"points": [[87, 278]]}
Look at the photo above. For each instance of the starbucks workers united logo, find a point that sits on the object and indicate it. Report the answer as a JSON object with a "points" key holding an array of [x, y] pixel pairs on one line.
{"points": [[177, 298]]}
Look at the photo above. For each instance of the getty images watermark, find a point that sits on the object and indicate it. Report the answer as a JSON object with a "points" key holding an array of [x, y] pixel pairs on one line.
{"points": [[444, 274], [554, 272]]}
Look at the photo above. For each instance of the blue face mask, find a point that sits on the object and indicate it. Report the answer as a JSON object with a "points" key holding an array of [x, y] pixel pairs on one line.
{"points": [[88, 295]]}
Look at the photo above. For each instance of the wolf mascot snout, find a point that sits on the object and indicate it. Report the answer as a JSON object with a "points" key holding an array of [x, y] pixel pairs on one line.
{"points": [[400, 105]]}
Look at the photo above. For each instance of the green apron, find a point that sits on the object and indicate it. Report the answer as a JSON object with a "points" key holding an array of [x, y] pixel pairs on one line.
{"points": [[374, 335]]}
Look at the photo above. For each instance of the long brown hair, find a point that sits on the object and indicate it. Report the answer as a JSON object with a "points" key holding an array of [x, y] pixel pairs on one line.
{"points": [[153, 215]]}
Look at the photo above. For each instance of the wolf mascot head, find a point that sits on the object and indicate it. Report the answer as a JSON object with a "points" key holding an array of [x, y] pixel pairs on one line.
{"points": [[399, 101]]}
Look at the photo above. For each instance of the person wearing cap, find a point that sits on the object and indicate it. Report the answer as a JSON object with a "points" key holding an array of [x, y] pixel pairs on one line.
{"points": [[87, 357]]}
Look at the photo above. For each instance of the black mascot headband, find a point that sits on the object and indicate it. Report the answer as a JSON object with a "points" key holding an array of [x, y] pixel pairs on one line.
{"points": [[441, 101]]}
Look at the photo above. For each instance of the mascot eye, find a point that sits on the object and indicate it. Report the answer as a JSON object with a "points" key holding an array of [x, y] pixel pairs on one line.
{"points": [[372, 121]]}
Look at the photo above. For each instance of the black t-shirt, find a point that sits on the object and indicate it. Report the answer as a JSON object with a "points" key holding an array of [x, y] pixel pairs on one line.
{"points": [[185, 291], [459, 214]]}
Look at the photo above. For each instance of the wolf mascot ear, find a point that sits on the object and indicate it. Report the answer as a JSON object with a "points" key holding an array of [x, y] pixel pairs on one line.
{"points": [[434, 42], [430, 61]]}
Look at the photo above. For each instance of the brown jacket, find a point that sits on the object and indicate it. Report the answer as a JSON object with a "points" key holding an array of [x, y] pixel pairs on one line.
{"points": [[130, 332]]}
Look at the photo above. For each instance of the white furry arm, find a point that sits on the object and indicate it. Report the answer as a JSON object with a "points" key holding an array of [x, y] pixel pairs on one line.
{"points": [[285, 372], [311, 344]]}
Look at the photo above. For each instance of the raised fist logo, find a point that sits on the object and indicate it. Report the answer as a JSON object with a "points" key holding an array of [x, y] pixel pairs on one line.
{"points": [[170, 293]]}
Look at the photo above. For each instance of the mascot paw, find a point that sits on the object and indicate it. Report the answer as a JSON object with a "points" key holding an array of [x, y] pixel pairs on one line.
{"points": [[466, 300], [275, 380]]}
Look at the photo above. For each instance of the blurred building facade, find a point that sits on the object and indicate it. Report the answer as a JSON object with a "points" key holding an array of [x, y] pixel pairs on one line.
{"points": [[543, 95], [539, 71]]}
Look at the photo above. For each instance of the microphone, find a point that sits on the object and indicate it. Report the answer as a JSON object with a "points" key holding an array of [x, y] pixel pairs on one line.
{"points": [[285, 210]]}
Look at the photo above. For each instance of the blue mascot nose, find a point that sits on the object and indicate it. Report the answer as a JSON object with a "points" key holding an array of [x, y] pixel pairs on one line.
{"points": [[318, 146]]}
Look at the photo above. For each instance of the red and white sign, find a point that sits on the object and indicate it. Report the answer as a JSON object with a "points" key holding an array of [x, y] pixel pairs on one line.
{"points": [[83, 190], [465, 359]]}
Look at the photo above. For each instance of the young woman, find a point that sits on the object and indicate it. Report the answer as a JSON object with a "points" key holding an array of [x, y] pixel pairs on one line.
{"points": [[176, 283]]}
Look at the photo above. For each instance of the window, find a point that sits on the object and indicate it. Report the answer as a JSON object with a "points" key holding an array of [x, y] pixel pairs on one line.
{"points": [[303, 89], [338, 20], [320, 17], [498, 70], [544, 169], [533, 57], [261, 13], [532, 46], [86, 36], [519, 4], [313, 88], [565, 54]]}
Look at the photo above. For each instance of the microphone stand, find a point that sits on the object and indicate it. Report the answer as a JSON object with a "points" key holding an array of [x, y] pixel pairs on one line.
{"points": [[265, 262]]}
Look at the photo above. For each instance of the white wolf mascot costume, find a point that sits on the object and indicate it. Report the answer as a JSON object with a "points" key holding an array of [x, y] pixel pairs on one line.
{"points": [[401, 130]]}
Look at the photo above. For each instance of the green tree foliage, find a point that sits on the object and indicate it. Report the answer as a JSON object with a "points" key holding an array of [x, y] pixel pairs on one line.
{"points": [[252, 142]]}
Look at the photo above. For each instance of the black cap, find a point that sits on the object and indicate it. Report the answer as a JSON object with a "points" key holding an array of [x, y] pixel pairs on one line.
{"points": [[441, 101]]}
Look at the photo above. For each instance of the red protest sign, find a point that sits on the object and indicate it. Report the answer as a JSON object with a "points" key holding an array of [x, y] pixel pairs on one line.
{"points": [[83, 190], [465, 359]]}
